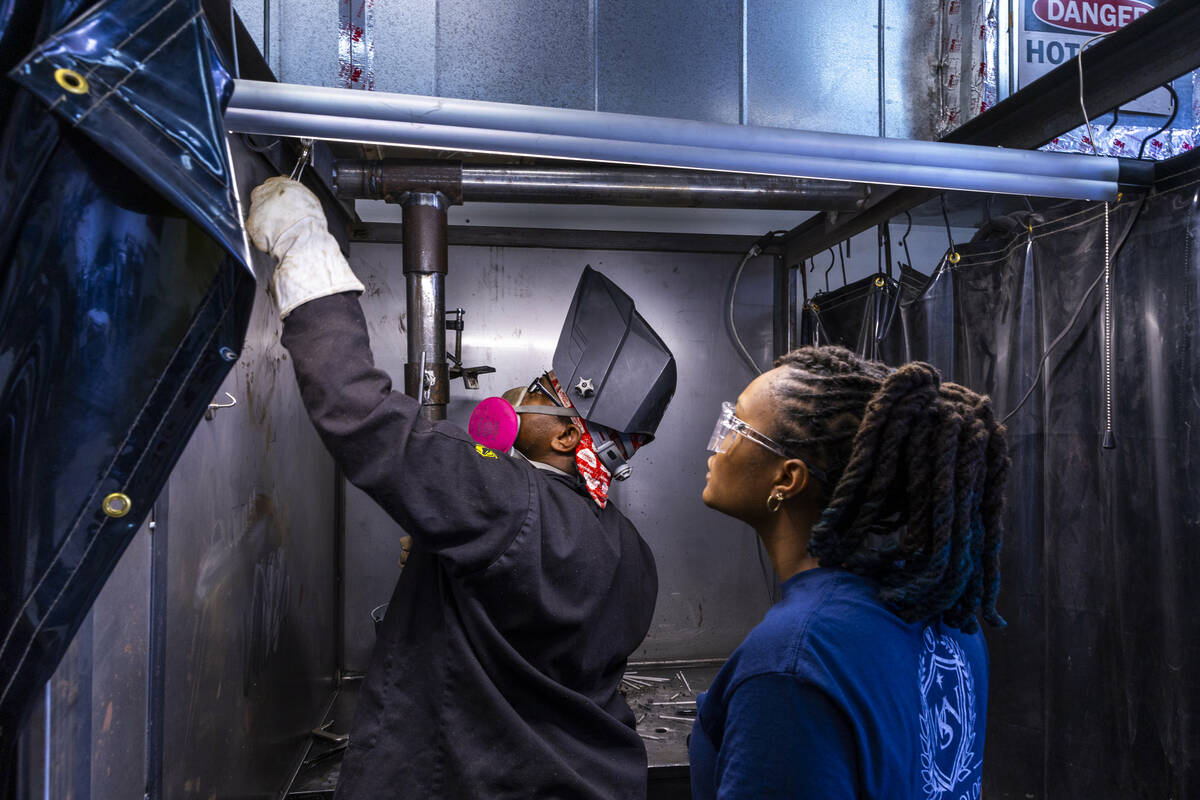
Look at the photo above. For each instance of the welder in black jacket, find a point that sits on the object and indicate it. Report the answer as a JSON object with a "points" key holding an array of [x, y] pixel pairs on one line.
{"points": [[496, 669]]}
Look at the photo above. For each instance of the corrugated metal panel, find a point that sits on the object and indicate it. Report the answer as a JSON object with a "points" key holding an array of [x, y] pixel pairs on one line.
{"points": [[671, 58], [812, 65], [521, 51], [711, 586]]}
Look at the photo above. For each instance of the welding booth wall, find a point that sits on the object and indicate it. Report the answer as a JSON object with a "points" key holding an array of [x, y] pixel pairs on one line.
{"points": [[1093, 686]]}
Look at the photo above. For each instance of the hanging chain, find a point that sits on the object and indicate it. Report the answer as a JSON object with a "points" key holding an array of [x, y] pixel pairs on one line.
{"points": [[1109, 438]]}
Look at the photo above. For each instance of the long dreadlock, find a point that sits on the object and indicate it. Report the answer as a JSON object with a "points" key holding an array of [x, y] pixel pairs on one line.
{"points": [[916, 479]]}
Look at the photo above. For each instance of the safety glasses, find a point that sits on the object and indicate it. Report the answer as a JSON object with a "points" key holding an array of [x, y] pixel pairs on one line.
{"points": [[538, 387], [729, 427]]}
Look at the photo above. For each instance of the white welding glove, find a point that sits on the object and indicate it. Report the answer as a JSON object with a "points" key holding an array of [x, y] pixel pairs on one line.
{"points": [[287, 221]]}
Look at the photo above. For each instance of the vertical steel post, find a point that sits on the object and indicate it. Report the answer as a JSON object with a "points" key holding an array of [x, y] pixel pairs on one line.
{"points": [[782, 307], [424, 230]]}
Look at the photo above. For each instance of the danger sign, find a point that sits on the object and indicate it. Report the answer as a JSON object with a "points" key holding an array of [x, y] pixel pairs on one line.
{"points": [[1052, 31]]}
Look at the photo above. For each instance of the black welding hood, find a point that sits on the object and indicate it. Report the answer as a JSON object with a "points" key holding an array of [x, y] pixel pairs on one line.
{"points": [[615, 369]]}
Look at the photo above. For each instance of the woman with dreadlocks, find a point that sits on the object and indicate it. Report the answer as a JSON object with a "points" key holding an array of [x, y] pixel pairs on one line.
{"points": [[877, 494]]}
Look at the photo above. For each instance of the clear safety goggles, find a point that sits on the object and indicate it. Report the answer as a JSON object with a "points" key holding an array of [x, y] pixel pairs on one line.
{"points": [[729, 427]]}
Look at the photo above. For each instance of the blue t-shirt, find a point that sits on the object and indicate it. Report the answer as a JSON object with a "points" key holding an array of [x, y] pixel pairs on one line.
{"points": [[834, 696]]}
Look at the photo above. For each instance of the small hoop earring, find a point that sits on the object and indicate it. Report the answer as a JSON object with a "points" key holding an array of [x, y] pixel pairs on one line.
{"points": [[774, 502]]}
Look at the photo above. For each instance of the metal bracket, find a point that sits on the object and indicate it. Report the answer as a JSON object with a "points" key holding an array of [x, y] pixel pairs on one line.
{"points": [[327, 735], [427, 380], [470, 375]]}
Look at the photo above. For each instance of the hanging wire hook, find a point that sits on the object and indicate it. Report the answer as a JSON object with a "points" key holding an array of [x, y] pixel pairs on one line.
{"points": [[804, 283], [210, 412], [305, 157], [1082, 107], [904, 240], [954, 257], [1174, 110], [832, 263]]}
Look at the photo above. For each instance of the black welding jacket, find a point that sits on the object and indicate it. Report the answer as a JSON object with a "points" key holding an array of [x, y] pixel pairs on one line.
{"points": [[496, 670]]}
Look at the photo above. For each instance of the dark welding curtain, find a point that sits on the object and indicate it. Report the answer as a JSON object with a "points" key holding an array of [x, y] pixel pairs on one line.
{"points": [[863, 316], [1096, 680], [124, 297]]}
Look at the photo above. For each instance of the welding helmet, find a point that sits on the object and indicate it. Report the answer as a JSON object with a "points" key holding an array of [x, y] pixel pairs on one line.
{"points": [[614, 368], [495, 422]]}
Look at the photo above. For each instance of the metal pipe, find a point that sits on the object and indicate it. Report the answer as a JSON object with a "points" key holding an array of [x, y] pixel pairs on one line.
{"points": [[426, 375], [618, 185], [477, 126], [481, 116]]}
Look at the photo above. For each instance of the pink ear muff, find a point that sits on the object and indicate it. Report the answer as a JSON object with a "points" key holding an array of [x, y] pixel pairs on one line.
{"points": [[494, 423]]}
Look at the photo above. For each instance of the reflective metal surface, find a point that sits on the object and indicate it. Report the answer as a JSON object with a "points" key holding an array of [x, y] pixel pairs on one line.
{"points": [[813, 64], [788, 64], [671, 58], [522, 51], [251, 594], [909, 87], [712, 589], [307, 41], [96, 700], [426, 375]]}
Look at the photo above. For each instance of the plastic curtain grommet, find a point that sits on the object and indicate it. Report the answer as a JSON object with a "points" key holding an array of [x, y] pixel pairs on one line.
{"points": [[954, 258], [116, 505], [71, 80]]}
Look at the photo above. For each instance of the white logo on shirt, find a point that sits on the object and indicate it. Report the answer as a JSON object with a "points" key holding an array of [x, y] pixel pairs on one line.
{"points": [[948, 762]]}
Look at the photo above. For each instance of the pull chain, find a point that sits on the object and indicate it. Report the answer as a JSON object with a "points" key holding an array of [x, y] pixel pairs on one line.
{"points": [[1110, 439]]}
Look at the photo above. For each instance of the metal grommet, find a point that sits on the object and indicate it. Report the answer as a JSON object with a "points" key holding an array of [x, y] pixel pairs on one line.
{"points": [[954, 258], [117, 505], [880, 282], [228, 354], [814, 307], [71, 80]]}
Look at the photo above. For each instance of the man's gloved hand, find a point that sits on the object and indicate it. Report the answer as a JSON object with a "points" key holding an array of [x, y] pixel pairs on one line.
{"points": [[287, 221]]}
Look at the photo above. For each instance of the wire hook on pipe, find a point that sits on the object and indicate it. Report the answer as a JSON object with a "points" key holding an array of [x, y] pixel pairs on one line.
{"points": [[954, 257], [305, 157], [832, 264], [904, 240]]}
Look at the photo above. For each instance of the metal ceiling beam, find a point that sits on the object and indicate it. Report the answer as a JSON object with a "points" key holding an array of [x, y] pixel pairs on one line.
{"points": [[388, 179], [1145, 54], [564, 238]]}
